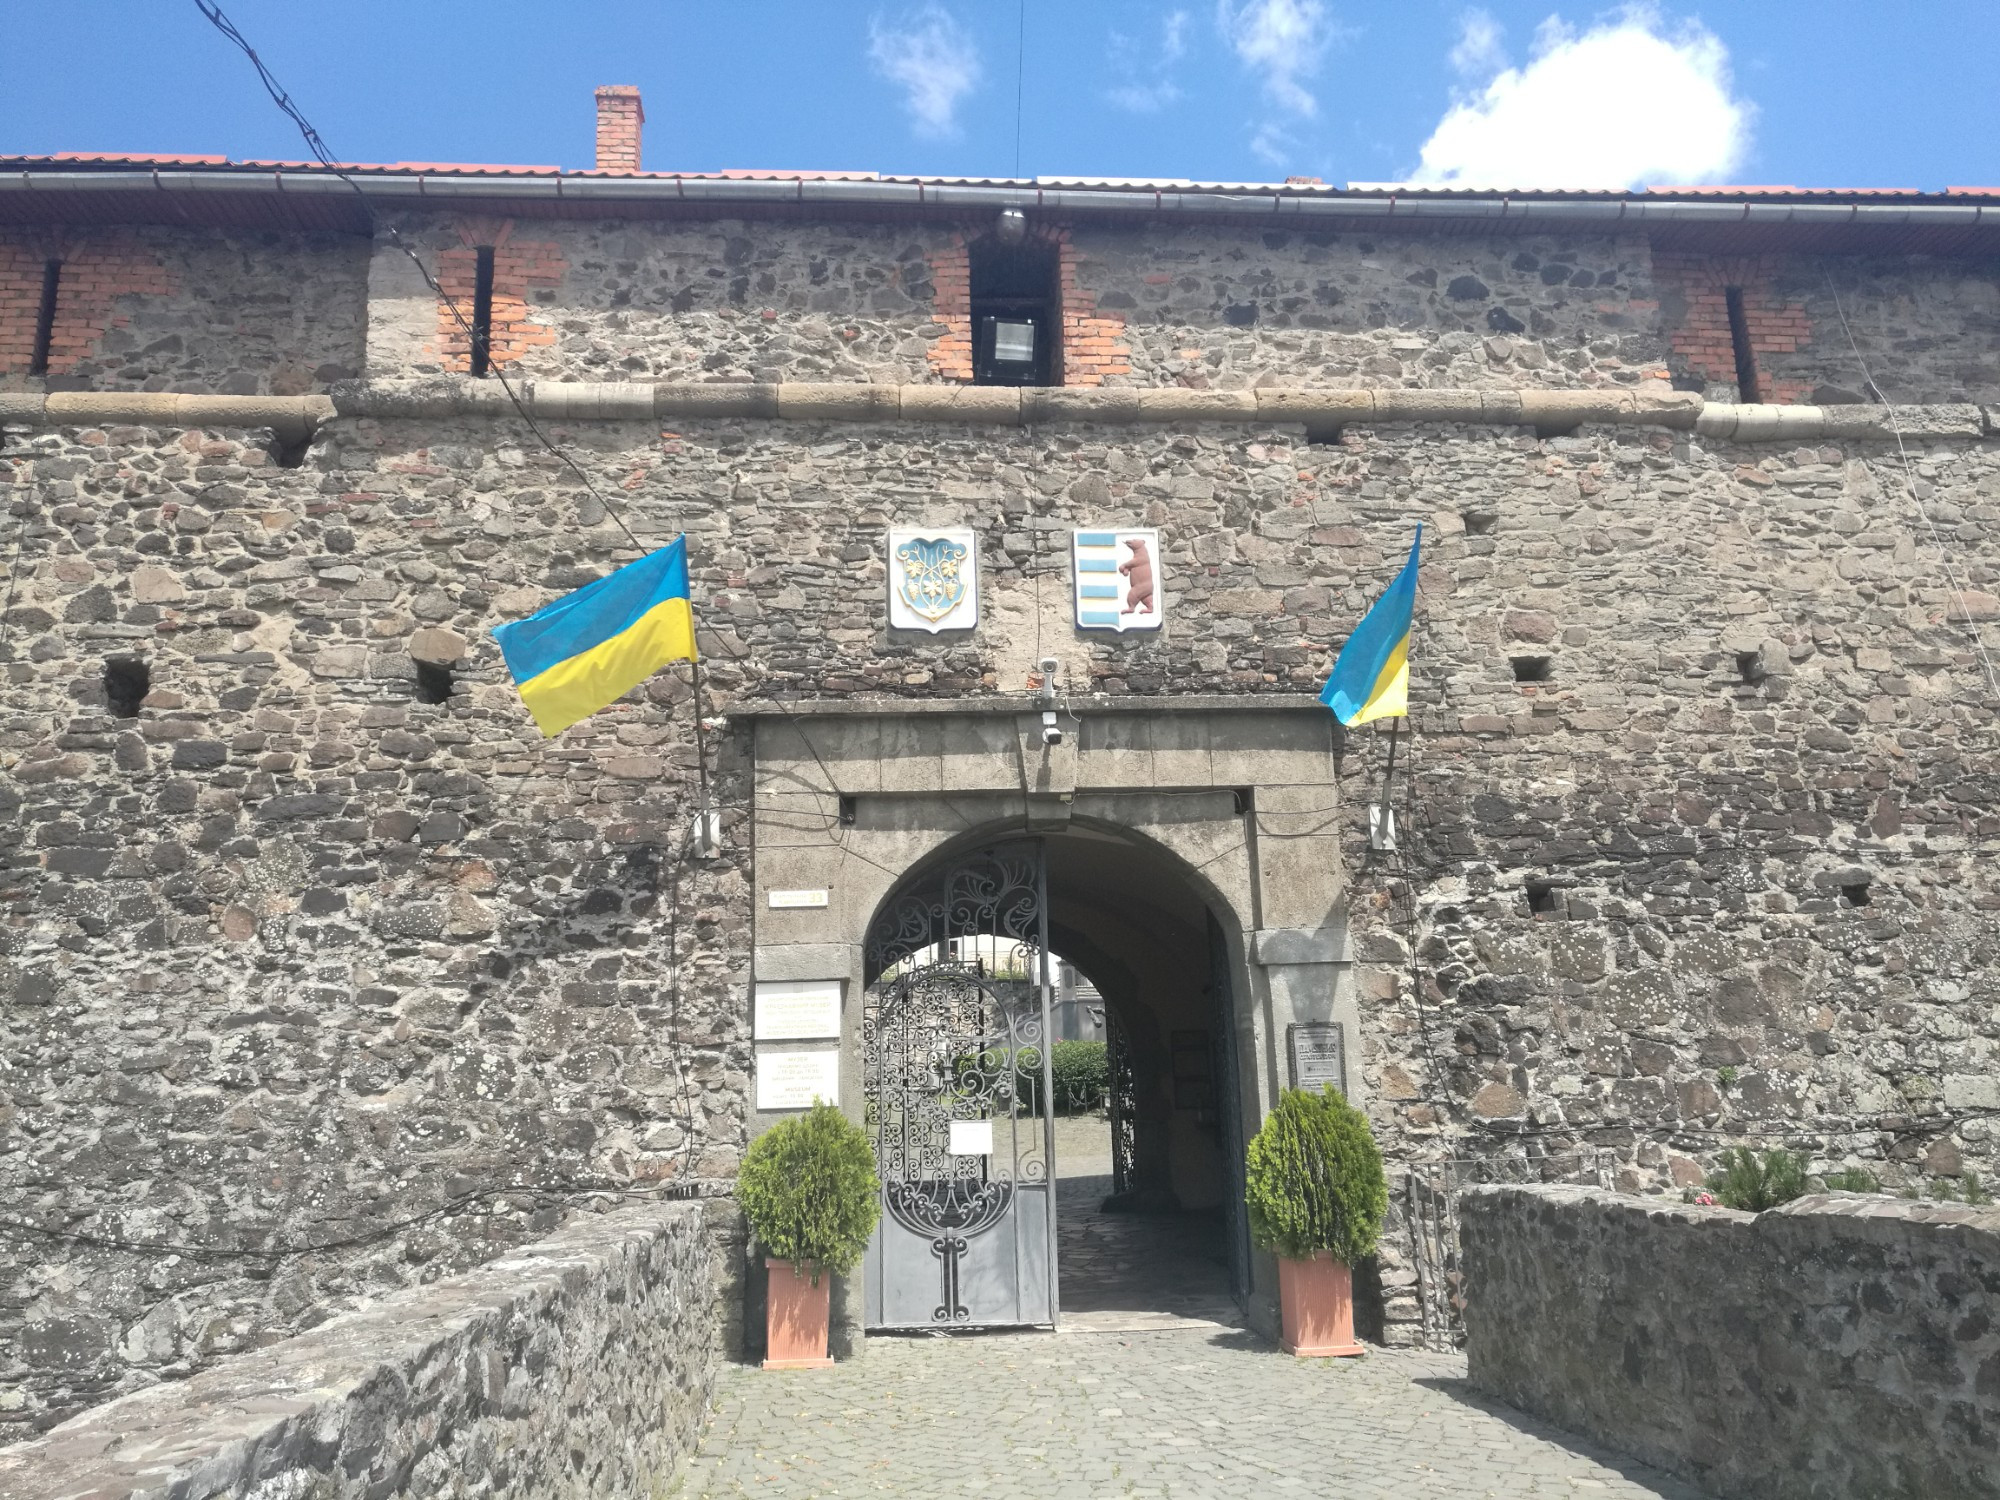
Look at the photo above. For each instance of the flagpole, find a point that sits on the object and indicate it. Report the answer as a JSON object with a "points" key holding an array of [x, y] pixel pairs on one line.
{"points": [[700, 745], [1384, 829]]}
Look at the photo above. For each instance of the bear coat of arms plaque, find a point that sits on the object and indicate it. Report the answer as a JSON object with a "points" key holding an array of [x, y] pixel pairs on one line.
{"points": [[933, 578]]}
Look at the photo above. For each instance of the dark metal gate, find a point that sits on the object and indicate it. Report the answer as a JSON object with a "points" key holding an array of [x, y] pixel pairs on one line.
{"points": [[955, 1031]]}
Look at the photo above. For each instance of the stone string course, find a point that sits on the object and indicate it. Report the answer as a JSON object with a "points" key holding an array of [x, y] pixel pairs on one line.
{"points": [[579, 1366], [293, 951], [1840, 1345], [1328, 411]]}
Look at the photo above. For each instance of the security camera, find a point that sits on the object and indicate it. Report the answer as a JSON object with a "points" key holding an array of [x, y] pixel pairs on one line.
{"points": [[1048, 666], [1051, 731]]}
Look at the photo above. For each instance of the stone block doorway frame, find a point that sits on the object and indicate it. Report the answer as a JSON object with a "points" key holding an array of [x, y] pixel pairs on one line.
{"points": [[1236, 797]]}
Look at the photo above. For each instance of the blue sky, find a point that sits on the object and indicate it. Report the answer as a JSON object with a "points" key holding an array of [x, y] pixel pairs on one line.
{"points": [[1835, 93]]}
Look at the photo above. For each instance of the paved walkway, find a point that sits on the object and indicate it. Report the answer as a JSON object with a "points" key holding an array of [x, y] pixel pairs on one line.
{"points": [[1151, 1390], [1179, 1414]]}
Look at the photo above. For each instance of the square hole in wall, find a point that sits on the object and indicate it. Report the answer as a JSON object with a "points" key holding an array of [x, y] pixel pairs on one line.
{"points": [[1542, 897], [1480, 522], [1855, 894], [433, 682], [1750, 666], [1533, 668], [127, 680]]}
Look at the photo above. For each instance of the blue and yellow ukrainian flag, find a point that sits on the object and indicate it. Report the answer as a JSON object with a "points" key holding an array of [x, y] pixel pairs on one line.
{"points": [[1371, 678], [590, 648]]}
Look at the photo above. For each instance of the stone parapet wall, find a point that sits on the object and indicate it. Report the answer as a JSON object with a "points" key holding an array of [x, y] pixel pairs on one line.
{"points": [[151, 309], [1840, 1345], [580, 1366]]}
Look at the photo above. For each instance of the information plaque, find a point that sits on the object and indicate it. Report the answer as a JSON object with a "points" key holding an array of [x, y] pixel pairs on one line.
{"points": [[794, 1010], [798, 1080], [1319, 1055]]}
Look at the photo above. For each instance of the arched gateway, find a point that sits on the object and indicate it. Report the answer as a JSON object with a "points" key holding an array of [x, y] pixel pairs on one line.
{"points": [[920, 877]]}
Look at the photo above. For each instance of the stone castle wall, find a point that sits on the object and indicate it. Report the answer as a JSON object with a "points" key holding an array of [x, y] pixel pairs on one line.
{"points": [[1211, 307], [294, 957], [1838, 1345], [209, 311]]}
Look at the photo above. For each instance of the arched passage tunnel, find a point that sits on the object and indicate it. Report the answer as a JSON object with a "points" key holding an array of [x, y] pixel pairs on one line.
{"points": [[1162, 953]]}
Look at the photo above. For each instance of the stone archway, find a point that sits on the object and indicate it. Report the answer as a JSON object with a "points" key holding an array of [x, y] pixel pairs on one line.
{"points": [[1222, 815]]}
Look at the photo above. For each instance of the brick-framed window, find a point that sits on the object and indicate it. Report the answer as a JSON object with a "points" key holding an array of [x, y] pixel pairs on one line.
{"points": [[1087, 346]]}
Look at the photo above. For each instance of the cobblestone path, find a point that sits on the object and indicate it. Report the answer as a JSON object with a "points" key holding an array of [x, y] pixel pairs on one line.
{"points": [[1190, 1412]]}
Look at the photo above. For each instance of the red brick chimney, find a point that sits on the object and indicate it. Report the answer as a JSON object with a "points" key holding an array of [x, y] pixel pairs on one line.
{"points": [[619, 116]]}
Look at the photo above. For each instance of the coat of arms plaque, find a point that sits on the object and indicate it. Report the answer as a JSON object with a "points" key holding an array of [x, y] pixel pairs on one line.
{"points": [[933, 578]]}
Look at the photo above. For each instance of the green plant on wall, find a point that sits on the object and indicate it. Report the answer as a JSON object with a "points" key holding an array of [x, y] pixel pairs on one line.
{"points": [[1313, 1179], [1853, 1180], [808, 1188], [1744, 1181]]}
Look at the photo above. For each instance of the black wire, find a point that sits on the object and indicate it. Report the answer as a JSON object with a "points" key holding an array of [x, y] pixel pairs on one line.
{"points": [[213, 12]]}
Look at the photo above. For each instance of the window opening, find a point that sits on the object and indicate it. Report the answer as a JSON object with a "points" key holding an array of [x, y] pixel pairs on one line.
{"points": [[1542, 897], [482, 310], [1855, 895], [433, 682], [45, 318], [1015, 313], [127, 680], [1739, 338], [1531, 668], [1480, 522], [1750, 666]]}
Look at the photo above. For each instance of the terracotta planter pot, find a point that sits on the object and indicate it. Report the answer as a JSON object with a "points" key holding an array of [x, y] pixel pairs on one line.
{"points": [[1316, 1306], [795, 1316]]}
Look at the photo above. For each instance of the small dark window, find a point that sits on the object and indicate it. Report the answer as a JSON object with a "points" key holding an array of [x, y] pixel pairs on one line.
{"points": [[1324, 434], [45, 318], [1542, 897], [433, 682], [1480, 522], [849, 810], [1531, 668], [1739, 338], [127, 680], [482, 311], [1855, 895], [1750, 666], [1016, 313]]}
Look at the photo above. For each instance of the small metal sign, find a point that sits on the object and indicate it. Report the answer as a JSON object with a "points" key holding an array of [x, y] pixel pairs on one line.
{"points": [[1319, 1055], [1118, 579], [797, 1080], [933, 579], [791, 900]]}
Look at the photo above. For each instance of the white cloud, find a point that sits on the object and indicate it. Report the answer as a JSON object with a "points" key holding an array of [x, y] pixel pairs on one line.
{"points": [[929, 56], [1284, 41], [1149, 83], [1627, 102], [1478, 53]]}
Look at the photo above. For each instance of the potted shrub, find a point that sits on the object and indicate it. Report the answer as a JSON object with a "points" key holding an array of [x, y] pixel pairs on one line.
{"points": [[1316, 1195], [809, 1190]]}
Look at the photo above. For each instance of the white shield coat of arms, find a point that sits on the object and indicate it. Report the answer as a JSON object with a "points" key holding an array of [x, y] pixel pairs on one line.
{"points": [[933, 579], [1118, 579]]}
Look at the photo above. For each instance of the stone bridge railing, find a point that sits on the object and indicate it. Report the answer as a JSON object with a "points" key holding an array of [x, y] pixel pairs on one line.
{"points": [[577, 1366], [1840, 1345]]}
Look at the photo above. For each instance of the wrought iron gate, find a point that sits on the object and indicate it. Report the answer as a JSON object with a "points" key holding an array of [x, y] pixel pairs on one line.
{"points": [[955, 1031]]}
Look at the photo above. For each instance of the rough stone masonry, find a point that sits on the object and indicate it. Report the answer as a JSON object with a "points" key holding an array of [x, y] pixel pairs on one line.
{"points": [[325, 974]]}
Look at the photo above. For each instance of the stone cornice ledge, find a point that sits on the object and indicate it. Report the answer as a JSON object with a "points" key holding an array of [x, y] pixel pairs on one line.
{"points": [[1548, 411]]}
